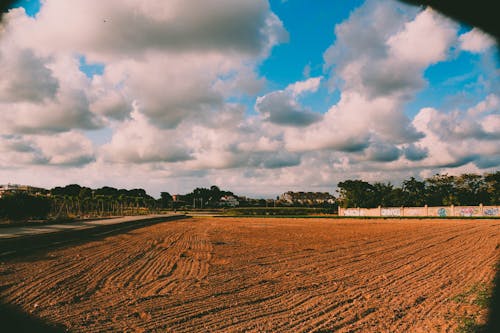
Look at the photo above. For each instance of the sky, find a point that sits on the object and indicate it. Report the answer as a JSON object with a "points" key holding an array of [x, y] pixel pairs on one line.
{"points": [[257, 97]]}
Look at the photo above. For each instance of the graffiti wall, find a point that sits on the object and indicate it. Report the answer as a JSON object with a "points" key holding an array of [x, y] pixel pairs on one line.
{"points": [[350, 211], [414, 211], [439, 211], [369, 212], [391, 211], [467, 211], [491, 211], [443, 211]]}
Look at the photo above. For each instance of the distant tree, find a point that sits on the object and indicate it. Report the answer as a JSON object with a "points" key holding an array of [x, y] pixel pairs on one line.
{"points": [[471, 189], [85, 192], [413, 192], [492, 185], [106, 190], [68, 190], [382, 195], [396, 198], [356, 193], [138, 192], [441, 190], [215, 195], [165, 199]]}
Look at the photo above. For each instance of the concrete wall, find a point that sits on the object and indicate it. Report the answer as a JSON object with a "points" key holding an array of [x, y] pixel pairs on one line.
{"points": [[441, 211]]}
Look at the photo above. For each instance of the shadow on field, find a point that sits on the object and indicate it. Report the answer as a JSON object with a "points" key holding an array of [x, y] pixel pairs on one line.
{"points": [[13, 319], [38, 244], [493, 324]]}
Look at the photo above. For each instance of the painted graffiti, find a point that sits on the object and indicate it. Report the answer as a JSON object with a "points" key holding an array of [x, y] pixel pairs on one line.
{"points": [[391, 212], [491, 212], [423, 211], [351, 212], [414, 211], [468, 211]]}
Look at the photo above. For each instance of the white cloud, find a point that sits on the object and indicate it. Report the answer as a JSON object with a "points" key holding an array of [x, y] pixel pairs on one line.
{"points": [[376, 56], [137, 141], [309, 85], [25, 77], [176, 59], [476, 41], [282, 107], [65, 149], [423, 41], [177, 81], [109, 29], [453, 139]]}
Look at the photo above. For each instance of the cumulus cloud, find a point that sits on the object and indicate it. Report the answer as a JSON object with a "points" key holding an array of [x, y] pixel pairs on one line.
{"points": [[423, 41], [476, 41], [25, 77], [175, 59], [178, 78], [119, 28], [283, 108], [137, 141], [389, 57], [377, 59], [413, 152], [351, 124], [456, 138], [380, 152], [65, 149]]}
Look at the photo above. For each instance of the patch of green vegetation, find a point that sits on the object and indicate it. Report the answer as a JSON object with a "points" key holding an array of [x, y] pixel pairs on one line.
{"points": [[468, 325], [479, 294], [482, 296], [460, 298]]}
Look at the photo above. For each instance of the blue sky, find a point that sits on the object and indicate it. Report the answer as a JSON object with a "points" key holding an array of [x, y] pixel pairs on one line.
{"points": [[296, 95], [31, 6]]}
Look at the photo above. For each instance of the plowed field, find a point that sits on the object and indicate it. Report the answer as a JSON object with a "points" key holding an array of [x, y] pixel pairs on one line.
{"points": [[264, 275]]}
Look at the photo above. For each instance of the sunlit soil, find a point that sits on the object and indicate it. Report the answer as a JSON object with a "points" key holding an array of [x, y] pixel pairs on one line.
{"points": [[264, 275]]}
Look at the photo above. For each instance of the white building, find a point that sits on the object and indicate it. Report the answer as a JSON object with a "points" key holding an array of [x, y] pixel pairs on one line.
{"points": [[229, 201]]}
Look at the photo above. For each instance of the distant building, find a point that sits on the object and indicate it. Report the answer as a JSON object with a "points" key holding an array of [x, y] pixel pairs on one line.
{"points": [[15, 188], [306, 198], [229, 201]]}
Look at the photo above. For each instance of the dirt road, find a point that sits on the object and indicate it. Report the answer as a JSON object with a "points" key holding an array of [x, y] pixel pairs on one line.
{"points": [[264, 275]]}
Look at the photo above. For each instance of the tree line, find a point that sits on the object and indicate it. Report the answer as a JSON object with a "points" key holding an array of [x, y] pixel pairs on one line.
{"points": [[438, 190], [76, 201], [79, 201]]}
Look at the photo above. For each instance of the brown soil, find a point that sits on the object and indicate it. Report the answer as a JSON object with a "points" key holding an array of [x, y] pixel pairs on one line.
{"points": [[264, 275]]}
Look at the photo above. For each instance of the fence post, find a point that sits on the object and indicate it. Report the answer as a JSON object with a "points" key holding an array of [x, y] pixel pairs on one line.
{"points": [[452, 210], [379, 210], [481, 209], [426, 210]]}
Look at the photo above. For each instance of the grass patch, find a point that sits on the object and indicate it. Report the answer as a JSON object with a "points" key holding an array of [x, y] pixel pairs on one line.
{"points": [[479, 294], [468, 325]]}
